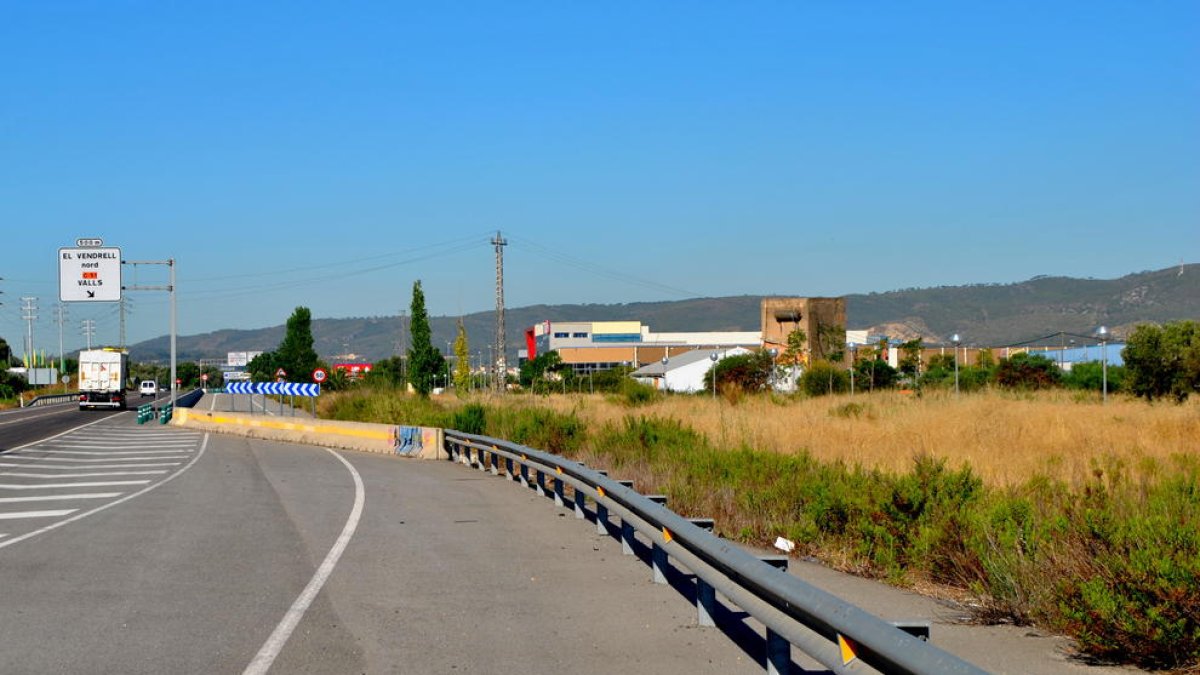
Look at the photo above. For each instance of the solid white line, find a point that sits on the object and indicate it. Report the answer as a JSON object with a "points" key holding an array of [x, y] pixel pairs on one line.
{"points": [[7, 486], [54, 498], [60, 467], [90, 474], [3, 536], [18, 515], [84, 460], [98, 509], [274, 644], [81, 452], [126, 442]]}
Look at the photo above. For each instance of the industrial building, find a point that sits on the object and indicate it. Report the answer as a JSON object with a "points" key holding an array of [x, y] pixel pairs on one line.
{"points": [[587, 346]]}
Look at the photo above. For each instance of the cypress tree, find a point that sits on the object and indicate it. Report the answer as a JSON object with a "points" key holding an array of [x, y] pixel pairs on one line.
{"points": [[424, 362]]}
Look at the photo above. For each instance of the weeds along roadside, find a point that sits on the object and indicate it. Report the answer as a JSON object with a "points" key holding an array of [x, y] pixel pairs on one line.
{"points": [[1111, 558]]}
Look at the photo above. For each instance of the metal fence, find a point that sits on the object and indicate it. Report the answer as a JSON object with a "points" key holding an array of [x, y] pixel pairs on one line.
{"points": [[840, 636], [50, 399]]}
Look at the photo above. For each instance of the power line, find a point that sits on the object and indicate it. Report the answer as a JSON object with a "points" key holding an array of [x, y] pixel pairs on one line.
{"points": [[602, 271]]}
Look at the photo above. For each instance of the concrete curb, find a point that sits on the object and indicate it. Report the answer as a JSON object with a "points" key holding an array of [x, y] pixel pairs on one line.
{"points": [[387, 439]]}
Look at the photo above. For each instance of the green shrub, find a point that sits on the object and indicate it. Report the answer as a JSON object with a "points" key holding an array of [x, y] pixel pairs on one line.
{"points": [[470, 419], [823, 377], [634, 393]]}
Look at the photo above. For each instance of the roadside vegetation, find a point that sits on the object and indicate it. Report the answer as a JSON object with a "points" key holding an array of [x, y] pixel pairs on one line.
{"points": [[1035, 507]]}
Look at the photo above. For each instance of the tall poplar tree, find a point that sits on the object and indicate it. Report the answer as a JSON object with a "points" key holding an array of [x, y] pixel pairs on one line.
{"points": [[296, 354], [424, 362], [462, 355]]}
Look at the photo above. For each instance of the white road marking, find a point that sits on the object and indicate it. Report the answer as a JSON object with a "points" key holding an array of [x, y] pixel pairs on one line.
{"points": [[60, 467], [80, 452], [84, 460], [274, 644], [123, 446], [98, 509], [55, 498], [90, 474], [68, 431], [109, 483], [18, 515]]}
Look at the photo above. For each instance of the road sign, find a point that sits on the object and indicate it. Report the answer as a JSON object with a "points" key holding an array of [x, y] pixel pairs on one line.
{"points": [[89, 274], [281, 373], [204, 377], [319, 375], [178, 381]]}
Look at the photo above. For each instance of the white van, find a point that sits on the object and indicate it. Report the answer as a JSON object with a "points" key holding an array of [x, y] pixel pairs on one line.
{"points": [[148, 388]]}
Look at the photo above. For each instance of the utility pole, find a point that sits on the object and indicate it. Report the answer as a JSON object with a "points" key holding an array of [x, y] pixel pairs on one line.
{"points": [[29, 315], [122, 303], [60, 320], [501, 364], [89, 330]]}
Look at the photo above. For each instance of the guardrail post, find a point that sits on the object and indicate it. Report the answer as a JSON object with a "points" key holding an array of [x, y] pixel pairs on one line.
{"points": [[541, 483], [558, 491], [485, 458], [508, 468], [601, 512], [779, 650], [580, 501], [626, 528], [706, 595], [524, 474], [658, 554]]}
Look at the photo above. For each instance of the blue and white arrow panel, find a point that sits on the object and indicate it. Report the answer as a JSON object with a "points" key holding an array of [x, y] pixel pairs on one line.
{"points": [[276, 388]]}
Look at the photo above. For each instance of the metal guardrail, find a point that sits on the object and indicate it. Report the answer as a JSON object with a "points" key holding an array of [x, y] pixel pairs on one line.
{"points": [[50, 399], [837, 634]]}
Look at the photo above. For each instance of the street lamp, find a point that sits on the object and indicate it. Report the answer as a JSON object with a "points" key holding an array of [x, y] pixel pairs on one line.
{"points": [[956, 339], [1102, 332], [664, 375], [713, 357]]}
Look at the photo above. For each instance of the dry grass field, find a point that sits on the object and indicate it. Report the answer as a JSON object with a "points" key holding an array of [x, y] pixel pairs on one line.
{"points": [[1006, 438]]}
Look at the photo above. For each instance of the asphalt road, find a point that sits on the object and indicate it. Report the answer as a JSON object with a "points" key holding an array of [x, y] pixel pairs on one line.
{"points": [[196, 569]]}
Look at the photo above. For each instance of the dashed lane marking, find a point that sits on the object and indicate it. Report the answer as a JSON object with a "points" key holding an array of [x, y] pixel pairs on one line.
{"points": [[60, 467], [19, 515], [90, 474], [56, 498], [43, 486]]}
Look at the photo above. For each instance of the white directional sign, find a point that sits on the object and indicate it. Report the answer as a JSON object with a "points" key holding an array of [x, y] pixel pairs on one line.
{"points": [[89, 274]]}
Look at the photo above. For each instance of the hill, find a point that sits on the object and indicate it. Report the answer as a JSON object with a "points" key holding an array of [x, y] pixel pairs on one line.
{"points": [[984, 314]]}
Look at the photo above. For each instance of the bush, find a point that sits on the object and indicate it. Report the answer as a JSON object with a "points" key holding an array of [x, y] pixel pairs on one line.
{"points": [[1028, 371], [823, 377], [470, 419], [634, 393], [1089, 376], [872, 374]]}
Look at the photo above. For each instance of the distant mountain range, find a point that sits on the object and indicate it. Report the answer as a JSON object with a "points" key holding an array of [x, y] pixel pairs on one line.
{"points": [[983, 314]]}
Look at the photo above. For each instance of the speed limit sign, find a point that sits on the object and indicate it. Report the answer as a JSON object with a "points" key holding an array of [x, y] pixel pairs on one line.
{"points": [[204, 377], [319, 375]]}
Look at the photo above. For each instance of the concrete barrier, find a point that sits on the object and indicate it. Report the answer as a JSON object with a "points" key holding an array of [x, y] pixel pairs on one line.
{"points": [[388, 439]]}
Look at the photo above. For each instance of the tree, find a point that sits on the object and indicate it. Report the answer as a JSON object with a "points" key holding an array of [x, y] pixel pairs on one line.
{"points": [[1028, 371], [296, 354], [1163, 360], [424, 362], [872, 374], [389, 371], [462, 357], [823, 377], [796, 352], [747, 372], [537, 367], [262, 367], [910, 357]]}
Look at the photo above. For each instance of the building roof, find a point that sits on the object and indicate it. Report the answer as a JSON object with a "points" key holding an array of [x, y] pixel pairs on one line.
{"points": [[657, 369]]}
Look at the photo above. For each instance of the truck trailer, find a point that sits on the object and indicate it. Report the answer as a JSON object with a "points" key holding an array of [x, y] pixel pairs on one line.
{"points": [[102, 377]]}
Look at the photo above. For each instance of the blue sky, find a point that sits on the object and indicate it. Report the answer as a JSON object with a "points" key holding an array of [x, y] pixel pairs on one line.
{"points": [[328, 155]]}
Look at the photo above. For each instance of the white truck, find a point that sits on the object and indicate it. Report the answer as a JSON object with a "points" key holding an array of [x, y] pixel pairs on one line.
{"points": [[102, 376]]}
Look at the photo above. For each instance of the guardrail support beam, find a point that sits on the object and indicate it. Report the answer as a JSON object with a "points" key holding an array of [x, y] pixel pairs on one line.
{"points": [[558, 492]]}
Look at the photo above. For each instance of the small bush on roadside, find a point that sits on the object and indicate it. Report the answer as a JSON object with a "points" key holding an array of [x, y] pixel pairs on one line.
{"points": [[470, 419], [823, 377]]}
